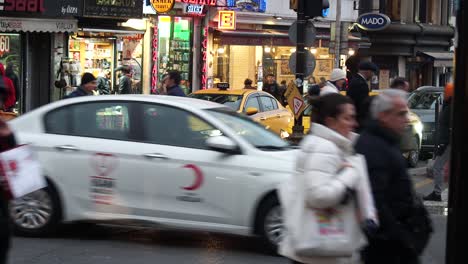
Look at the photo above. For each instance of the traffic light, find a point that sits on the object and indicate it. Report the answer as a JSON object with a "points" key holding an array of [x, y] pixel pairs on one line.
{"points": [[315, 8]]}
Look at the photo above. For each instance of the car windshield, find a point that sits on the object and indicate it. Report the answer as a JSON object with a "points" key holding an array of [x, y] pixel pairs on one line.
{"points": [[251, 131], [421, 100], [229, 100]]}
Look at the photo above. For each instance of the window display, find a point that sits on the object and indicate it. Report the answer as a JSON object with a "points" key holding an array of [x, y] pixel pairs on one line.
{"points": [[10, 57]]}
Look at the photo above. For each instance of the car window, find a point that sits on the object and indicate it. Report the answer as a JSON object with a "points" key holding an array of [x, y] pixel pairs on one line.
{"points": [[267, 104], [108, 120], [423, 100], [229, 100], [252, 101], [171, 126]]}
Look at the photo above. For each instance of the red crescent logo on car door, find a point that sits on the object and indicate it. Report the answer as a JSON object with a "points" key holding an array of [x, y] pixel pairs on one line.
{"points": [[198, 181]]}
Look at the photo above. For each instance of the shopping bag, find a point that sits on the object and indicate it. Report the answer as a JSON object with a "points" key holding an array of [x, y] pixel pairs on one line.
{"points": [[331, 232], [20, 171]]}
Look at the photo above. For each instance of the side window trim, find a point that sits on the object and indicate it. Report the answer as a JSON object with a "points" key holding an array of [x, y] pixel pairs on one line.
{"points": [[252, 96]]}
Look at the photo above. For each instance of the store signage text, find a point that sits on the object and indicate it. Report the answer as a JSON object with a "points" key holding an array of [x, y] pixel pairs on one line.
{"points": [[227, 19], [113, 8], [204, 59], [154, 72], [69, 10], [4, 44], [120, 3], [162, 6], [200, 2], [32, 6], [373, 21], [197, 10]]}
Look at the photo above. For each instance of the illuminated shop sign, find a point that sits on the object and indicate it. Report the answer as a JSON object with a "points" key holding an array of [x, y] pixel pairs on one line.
{"points": [[49, 8], [204, 78], [248, 5], [196, 10], [227, 19], [115, 9], [199, 2], [162, 6], [154, 71]]}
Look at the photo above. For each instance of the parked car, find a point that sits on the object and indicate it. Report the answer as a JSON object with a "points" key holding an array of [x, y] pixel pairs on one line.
{"points": [[259, 105], [173, 161], [423, 102]]}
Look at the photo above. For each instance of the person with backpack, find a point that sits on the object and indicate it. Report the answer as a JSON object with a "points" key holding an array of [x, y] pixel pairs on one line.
{"points": [[7, 89]]}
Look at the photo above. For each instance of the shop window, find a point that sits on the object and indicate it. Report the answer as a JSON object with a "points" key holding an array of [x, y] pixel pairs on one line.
{"points": [[393, 9], [165, 125], [428, 11], [10, 55], [174, 48]]}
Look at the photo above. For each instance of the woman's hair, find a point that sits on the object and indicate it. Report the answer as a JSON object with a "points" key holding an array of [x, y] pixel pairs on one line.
{"points": [[330, 105]]}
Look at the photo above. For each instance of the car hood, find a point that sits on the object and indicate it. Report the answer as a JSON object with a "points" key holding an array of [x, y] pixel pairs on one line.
{"points": [[426, 116]]}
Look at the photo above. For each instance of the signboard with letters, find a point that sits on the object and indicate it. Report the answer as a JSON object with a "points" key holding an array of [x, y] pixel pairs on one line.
{"points": [[113, 9], [373, 21], [195, 10], [247, 5], [227, 19], [162, 6], [41, 8]]}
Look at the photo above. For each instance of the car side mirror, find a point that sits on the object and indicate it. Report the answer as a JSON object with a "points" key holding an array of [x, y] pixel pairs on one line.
{"points": [[251, 111], [223, 144]]}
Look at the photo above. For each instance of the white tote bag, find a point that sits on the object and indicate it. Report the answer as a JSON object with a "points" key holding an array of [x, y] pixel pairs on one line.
{"points": [[20, 171]]}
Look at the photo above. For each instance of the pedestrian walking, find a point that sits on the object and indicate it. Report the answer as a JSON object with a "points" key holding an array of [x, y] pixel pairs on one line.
{"points": [[10, 73], [125, 80], [272, 87], [442, 150], [405, 226], [103, 83], [359, 89], [326, 181], [336, 83], [8, 90], [400, 83], [88, 85], [248, 84], [171, 82], [7, 141]]}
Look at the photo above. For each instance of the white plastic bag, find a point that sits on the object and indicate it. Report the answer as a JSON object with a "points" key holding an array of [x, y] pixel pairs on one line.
{"points": [[21, 172]]}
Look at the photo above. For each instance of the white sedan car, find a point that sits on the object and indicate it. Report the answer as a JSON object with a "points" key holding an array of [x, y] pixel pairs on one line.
{"points": [[177, 162]]}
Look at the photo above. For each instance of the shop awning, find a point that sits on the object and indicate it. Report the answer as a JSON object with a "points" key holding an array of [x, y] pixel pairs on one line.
{"points": [[440, 59], [260, 37], [8, 24]]}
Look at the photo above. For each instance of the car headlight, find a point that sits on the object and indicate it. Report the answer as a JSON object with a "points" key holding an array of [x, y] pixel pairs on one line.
{"points": [[419, 127]]}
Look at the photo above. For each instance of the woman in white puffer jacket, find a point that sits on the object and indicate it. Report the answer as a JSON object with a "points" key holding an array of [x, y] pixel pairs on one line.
{"points": [[328, 178], [336, 83]]}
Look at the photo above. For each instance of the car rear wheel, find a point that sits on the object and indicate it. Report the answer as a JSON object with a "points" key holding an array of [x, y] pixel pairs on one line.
{"points": [[36, 214], [271, 226], [413, 155]]}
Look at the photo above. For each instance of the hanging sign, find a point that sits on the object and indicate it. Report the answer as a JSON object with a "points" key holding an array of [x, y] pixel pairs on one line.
{"points": [[295, 101], [373, 21], [195, 10], [204, 79], [162, 6], [227, 19], [199, 2]]}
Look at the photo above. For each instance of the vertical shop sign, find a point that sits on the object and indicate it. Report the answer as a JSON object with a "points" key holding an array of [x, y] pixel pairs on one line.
{"points": [[154, 72], [204, 76]]}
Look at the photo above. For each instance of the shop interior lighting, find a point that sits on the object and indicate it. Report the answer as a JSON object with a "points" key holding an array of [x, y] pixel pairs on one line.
{"points": [[138, 24], [221, 50], [351, 52], [267, 49], [277, 17], [314, 51], [292, 50]]}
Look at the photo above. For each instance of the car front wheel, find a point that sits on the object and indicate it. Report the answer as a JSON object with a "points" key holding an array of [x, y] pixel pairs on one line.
{"points": [[271, 223], [35, 214], [413, 155]]}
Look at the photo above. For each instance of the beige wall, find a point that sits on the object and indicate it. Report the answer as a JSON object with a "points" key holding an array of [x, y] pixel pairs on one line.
{"points": [[242, 65]]}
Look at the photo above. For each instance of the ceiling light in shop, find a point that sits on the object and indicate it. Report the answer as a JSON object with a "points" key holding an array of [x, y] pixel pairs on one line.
{"points": [[292, 50], [277, 17], [267, 49], [314, 51], [220, 50], [351, 52]]}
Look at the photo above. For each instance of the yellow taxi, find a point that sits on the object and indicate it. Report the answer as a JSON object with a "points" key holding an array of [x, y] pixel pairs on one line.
{"points": [[258, 105]]}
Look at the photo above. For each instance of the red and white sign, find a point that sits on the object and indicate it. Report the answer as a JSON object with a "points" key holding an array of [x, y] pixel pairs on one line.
{"points": [[204, 77], [227, 19], [298, 103], [199, 2], [154, 71]]}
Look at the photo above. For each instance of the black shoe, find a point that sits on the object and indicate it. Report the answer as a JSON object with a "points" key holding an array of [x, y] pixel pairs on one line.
{"points": [[433, 197]]}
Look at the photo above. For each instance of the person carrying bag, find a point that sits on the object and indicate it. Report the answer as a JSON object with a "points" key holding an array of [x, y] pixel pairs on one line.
{"points": [[327, 203]]}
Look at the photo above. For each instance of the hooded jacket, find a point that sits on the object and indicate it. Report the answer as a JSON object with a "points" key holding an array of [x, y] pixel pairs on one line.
{"points": [[10, 97]]}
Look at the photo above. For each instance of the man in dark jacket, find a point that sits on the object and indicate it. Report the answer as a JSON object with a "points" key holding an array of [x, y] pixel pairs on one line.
{"points": [[103, 83], [88, 85], [7, 141], [442, 150], [358, 89], [272, 87], [125, 81], [391, 186], [171, 82]]}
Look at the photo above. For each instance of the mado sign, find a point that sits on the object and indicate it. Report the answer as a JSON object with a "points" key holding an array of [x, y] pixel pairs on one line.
{"points": [[373, 21]]}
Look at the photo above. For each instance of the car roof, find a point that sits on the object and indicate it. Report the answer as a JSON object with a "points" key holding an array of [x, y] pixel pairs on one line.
{"points": [[228, 92], [430, 89]]}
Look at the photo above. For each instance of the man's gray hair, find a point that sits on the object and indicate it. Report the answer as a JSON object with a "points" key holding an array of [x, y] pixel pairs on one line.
{"points": [[384, 101]]}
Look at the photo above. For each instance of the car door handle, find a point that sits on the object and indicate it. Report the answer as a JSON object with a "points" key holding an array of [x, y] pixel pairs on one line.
{"points": [[155, 156], [263, 118], [67, 148], [279, 116]]}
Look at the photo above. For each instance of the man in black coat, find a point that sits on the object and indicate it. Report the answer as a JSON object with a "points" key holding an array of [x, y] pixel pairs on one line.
{"points": [[358, 89], [394, 242]]}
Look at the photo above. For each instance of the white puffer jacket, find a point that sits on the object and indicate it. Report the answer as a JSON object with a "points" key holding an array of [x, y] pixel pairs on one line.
{"points": [[320, 166], [328, 89]]}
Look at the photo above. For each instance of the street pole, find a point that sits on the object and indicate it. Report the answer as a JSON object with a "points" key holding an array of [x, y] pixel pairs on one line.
{"points": [[298, 129], [457, 228], [338, 34]]}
